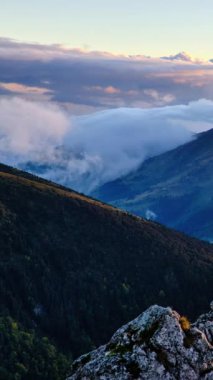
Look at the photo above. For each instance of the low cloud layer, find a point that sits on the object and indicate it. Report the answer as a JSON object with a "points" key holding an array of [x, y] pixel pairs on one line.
{"points": [[85, 151], [84, 81]]}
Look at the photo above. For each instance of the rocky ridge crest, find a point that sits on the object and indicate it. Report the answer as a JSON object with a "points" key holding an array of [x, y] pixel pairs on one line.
{"points": [[159, 344]]}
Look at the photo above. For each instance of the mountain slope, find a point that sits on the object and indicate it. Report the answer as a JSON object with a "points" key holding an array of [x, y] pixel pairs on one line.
{"points": [[175, 188], [71, 265]]}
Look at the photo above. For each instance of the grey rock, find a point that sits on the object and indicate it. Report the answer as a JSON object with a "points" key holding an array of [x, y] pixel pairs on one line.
{"points": [[158, 345]]}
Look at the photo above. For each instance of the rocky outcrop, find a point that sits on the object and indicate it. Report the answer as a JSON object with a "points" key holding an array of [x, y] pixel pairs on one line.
{"points": [[159, 344]]}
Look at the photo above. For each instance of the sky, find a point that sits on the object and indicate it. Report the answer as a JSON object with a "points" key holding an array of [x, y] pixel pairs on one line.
{"points": [[148, 27], [86, 84]]}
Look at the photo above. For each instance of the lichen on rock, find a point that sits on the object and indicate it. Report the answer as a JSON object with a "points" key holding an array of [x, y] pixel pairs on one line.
{"points": [[154, 346]]}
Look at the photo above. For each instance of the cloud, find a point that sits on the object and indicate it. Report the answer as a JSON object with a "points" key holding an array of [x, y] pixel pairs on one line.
{"points": [[182, 56], [85, 151], [21, 89], [13, 49], [31, 92], [88, 80], [27, 129], [150, 215]]}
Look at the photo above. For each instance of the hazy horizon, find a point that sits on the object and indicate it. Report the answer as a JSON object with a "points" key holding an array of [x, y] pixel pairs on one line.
{"points": [[153, 27]]}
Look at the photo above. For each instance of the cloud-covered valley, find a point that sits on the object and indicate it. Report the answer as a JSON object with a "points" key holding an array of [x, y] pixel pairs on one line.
{"points": [[82, 118], [88, 150]]}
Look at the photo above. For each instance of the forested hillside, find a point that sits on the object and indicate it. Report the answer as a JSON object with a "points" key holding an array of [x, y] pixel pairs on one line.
{"points": [[74, 269]]}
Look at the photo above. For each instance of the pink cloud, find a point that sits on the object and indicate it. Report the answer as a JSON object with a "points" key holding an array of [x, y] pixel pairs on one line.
{"points": [[111, 90], [23, 89]]}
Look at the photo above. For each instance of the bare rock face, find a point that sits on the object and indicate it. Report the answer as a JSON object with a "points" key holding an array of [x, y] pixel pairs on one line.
{"points": [[157, 345]]}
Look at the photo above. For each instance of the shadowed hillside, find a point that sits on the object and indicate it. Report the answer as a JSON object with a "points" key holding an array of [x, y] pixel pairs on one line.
{"points": [[175, 188], [75, 269]]}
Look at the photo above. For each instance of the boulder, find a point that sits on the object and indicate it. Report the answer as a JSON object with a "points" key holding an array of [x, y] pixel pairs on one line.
{"points": [[159, 344]]}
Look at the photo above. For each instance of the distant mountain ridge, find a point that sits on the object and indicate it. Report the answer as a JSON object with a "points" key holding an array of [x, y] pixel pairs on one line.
{"points": [[174, 188]]}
